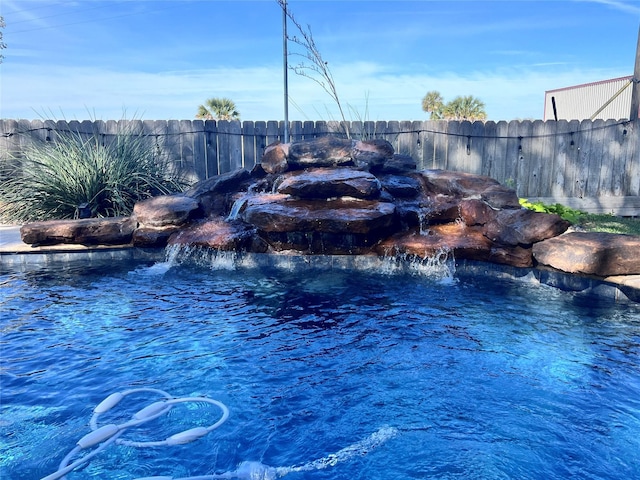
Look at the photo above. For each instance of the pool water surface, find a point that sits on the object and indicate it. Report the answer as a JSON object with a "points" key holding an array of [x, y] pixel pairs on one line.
{"points": [[476, 378]]}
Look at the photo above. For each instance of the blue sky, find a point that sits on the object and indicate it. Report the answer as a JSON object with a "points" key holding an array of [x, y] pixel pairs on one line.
{"points": [[160, 59]]}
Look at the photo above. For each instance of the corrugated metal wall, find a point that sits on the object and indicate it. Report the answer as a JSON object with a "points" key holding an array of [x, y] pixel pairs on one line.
{"points": [[580, 102]]}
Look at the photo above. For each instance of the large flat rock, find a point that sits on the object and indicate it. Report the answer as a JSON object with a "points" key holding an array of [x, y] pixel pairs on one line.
{"points": [[86, 231], [602, 254], [524, 227], [323, 183], [281, 213], [219, 234], [165, 210]]}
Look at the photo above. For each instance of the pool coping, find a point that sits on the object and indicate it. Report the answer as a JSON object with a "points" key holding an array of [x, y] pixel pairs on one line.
{"points": [[15, 253]]}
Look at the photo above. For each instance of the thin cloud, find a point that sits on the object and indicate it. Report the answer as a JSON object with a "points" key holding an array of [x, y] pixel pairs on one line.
{"points": [[258, 91], [617, 5]]}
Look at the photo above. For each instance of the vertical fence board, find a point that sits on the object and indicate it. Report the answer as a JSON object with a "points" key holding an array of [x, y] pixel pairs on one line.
{"points": [[186, 148], [440, 144], [356, 128], [428, 147], [474, 164], [211, 138], [235, 144], [369, 130], [596, 169], [573, 153], [38, 131], [224, 158], [417, 144], [197, 126], [615, 150], [10, 139], [392, 134], [581, 169], [489, 148], [524, 158], [509, 171], [296, 130], [561, 147], [172, 145], [502, 133], [52, 134], [308, 130], [248, 145], [272, 132], [456, 147], [533, 151], [544, 145], [406, 139], [260, 131], [633, 158]]}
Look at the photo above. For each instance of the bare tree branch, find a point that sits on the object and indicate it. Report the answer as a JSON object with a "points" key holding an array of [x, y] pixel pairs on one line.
{"points": [[313, 66]]}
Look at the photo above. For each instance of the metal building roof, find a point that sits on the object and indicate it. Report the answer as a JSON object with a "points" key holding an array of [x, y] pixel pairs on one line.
{"points": [[606, 99]]}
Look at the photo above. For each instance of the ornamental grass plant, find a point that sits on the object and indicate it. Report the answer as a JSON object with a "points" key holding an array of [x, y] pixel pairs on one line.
{"points": [[107, 175]]}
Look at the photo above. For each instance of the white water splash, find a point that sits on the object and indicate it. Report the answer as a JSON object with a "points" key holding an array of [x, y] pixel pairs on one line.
{"points": [[172, 254], [236, 208]]}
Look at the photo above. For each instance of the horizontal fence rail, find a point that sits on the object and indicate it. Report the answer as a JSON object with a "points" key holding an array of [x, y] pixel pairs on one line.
{"points": [[590, 164]]}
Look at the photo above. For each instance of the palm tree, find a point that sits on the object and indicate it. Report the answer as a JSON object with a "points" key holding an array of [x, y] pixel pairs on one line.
{"points": [[434, 104], [218, 109], [465, 108]]}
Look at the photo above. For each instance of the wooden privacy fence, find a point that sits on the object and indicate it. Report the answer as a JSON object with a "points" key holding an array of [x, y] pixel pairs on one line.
{"points": [[591, 165]]}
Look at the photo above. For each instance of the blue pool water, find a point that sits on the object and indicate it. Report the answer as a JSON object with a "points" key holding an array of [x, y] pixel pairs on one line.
{"points": [[478, 378]]}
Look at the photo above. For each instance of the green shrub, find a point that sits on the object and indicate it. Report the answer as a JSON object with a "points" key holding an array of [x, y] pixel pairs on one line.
{"points": [[53, 178], [567, 213]]}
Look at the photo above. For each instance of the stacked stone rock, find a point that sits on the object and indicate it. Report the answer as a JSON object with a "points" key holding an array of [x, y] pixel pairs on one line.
{"points": [[341, 196]]}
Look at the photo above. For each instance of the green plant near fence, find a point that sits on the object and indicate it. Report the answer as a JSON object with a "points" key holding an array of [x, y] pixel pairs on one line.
{"points": [[52, 180]]}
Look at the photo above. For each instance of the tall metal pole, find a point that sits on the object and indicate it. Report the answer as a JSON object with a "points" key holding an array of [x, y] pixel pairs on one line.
{"points": [[635, 94], [286, 71]]}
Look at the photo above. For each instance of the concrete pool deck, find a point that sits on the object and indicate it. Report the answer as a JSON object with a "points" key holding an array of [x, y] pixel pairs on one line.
{"points": [[14, 252]]}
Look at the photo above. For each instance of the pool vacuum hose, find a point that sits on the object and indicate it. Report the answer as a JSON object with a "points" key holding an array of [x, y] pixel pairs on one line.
{"points": [[102, 437]]}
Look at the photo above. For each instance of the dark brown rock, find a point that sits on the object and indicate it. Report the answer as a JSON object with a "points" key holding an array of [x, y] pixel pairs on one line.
{"points": [[214, 194], [452, 238], [398, 164], [153, 237], [475, 212], [439, 209], [524, 227], [499, 196], [280, 213], [165, 210], [325, 183], [221, 235], [602, 254], [516, 256], [369, 154], [274, 159], [458, 184], [400, 186], [88, 231], [320, 152]]}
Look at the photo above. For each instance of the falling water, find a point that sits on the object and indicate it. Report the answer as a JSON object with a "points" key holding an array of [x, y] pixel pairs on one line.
{"points": [[237, 207]]}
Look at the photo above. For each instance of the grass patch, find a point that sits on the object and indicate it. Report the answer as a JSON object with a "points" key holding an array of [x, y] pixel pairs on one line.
{"points": [[609, 223], [588, 222]]}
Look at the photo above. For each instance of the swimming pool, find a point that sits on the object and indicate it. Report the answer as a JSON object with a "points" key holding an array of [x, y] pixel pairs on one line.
{"points": [[470, 377]]}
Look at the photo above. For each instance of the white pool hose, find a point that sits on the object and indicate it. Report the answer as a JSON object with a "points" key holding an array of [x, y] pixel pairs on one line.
{"points": [[101, 437]]}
